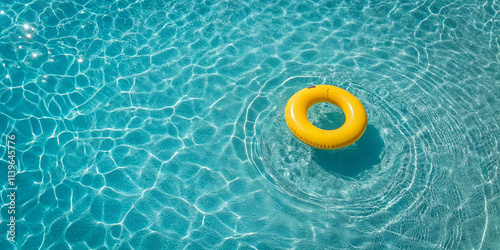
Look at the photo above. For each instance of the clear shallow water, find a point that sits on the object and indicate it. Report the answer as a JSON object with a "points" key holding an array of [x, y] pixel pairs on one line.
{"points": [[160, 124]]}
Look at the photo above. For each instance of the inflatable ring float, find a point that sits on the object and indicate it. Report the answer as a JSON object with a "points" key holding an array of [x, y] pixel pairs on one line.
{"points": [[301, 127]]}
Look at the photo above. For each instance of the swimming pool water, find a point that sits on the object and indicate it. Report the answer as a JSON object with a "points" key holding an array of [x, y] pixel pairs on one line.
{"points": [[159, 124]]}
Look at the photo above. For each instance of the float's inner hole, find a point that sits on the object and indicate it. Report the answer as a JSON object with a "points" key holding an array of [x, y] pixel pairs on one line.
{"points": [[326, 116]]}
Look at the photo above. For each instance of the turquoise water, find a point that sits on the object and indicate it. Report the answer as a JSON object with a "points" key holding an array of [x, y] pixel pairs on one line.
{"points": [[159, 124]]}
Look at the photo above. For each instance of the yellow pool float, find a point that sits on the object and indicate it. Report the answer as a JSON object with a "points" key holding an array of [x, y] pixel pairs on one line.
{"points": [[301, 127]]}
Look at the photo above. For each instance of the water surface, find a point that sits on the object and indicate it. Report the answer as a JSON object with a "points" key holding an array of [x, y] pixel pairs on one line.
{"points": [[159, 124]]}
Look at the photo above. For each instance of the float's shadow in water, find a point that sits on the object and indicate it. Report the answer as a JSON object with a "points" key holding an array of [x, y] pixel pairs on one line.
{"points": [[352, 160]]}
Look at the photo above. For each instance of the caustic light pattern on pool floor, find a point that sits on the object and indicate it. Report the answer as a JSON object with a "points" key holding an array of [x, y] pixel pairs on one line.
{"points": [[159, 124]]}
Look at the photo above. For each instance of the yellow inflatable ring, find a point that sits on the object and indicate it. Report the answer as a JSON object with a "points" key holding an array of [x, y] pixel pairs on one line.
{"points": [[301, 127]]}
